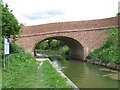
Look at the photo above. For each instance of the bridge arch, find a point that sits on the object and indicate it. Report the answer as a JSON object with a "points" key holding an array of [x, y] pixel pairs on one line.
{"points": [[81, 36], [76, 48]]}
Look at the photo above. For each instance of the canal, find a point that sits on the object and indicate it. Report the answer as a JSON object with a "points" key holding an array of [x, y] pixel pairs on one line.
{"points": [[86, 75]]}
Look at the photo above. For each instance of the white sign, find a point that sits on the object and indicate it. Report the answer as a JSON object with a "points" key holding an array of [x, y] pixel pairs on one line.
{"points": [[6, 46]]}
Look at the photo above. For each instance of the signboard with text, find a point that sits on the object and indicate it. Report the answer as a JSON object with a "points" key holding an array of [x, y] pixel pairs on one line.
{"points": [[6, 46]]}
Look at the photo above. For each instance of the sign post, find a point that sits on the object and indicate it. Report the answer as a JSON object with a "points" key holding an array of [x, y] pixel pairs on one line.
{"points": [[6, 51]]}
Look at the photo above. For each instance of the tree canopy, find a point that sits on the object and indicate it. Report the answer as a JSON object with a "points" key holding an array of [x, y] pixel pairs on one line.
{"points": [[10, 25]]}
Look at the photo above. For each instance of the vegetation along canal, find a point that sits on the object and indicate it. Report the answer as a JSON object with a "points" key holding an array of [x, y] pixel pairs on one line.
{"points": [[86, 75]]}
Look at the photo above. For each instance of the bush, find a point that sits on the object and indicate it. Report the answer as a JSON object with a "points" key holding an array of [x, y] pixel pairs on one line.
{"points": [[53, 45], [19, 55], [10, 25], [64, 50], [15, 48], [108, 52], [42, 45]]}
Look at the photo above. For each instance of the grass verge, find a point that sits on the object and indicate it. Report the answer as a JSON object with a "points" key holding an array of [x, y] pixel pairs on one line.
{"points": [[25, 72]]}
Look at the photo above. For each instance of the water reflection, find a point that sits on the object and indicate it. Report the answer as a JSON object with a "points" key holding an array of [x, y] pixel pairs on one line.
{"points": [[86, 75]]}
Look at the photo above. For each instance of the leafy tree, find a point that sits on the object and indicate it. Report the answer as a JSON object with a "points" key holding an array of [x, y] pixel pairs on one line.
{"points": [[118, 14], [55, 44], [50, 44], [43, 45], [10, 25], [0, 18]]}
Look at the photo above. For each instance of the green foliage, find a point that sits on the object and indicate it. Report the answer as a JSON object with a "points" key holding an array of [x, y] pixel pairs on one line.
{"points": [[108, 52], [52, 45], [2, 46], [10, 25], [0, 18], [15, 48], [43, 45], [54, 80], [118, 14], [55, 44], [64, 50]]}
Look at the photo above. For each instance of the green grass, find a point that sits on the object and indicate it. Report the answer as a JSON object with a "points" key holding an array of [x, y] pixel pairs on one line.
{"points": [[0, 77], [25, 72], [108, 52], [53, 78]]}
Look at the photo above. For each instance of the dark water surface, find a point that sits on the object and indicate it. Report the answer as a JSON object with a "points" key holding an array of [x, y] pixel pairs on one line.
{"points": [[86, 75]]}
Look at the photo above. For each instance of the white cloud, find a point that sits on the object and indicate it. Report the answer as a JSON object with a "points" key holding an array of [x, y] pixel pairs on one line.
{"points": [[34, 12], [42, 15]]}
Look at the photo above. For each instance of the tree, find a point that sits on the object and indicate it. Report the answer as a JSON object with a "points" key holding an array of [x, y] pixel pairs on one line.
{"points": [[118, 14], [10, 25]]}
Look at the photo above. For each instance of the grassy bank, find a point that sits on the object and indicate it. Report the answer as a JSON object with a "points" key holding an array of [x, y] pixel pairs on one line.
{"points": [[25, 72], [108, 52]]}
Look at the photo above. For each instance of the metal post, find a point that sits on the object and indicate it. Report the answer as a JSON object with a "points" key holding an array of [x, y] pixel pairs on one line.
{"points": [[4, 62], [8, 62], [4, 56]]}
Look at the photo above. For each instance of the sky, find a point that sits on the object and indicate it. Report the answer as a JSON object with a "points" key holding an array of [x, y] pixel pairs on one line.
{"points": [[35, 12]]}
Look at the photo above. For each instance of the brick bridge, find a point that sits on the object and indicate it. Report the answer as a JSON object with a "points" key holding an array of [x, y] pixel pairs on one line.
{"points": [[82, 37]]}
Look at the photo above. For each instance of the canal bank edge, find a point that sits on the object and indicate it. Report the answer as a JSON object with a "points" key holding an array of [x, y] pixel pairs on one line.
{"points": [[109, 65], [65, 77], [60, 72]]}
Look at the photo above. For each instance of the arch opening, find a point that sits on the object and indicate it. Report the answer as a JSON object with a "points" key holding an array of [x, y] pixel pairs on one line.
{"points": [[76, 50]]}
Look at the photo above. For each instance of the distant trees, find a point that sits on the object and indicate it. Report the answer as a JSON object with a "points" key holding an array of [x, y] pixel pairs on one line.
{"points": [[9, 23], [50, 44]]}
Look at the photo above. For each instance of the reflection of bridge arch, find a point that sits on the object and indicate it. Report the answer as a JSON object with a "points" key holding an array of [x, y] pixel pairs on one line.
{"points": [[76, 48], [81, 36]]}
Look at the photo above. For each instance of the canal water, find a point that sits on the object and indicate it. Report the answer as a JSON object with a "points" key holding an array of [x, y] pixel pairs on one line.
{"points": [[86, 75]]}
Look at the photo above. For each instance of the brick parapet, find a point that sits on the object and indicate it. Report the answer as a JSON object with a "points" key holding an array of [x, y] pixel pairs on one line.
{"points": [[68, 31], [61, 26]]}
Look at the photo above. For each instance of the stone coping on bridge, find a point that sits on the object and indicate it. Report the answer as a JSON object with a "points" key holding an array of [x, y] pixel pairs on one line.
{"points": [[64, 31]]}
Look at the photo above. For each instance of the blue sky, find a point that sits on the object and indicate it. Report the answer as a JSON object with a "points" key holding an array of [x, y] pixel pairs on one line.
{"points": [[34, 12]]}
